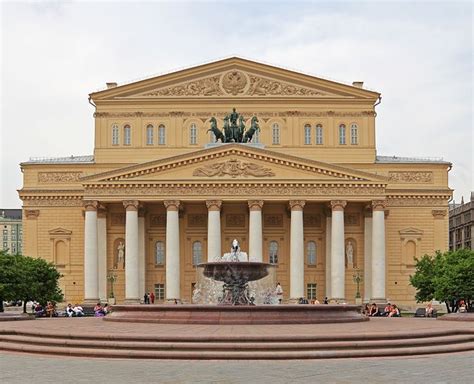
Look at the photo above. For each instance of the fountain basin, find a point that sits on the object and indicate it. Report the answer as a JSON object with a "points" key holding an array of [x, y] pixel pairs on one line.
{"points": [[230, 272], [234, 315]]}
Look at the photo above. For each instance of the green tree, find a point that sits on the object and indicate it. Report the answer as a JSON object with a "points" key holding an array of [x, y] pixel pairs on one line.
{"points": [[455, 278], [445, 277], [26, 278]]}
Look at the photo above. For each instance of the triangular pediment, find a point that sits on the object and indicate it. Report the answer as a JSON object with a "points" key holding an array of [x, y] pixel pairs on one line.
{"points": [[231, 78], [410, 232], [228, 162], [60, 232]]}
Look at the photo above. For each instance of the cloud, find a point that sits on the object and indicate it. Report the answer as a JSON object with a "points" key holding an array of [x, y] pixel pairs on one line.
{"points": [[418, 56]]}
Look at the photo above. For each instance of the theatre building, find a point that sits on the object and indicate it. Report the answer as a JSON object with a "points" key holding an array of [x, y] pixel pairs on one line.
{"points": [[308, 193]]}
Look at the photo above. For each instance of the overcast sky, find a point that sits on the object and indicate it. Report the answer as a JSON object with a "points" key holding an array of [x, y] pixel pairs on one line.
{"points": [[418, 55]]}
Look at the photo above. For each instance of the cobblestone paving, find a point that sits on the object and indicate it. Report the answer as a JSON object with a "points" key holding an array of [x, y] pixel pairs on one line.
{"points": [[453, 368]]}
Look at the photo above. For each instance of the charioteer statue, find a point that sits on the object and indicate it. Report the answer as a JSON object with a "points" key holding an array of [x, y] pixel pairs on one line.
{"points": [[234, 128]]}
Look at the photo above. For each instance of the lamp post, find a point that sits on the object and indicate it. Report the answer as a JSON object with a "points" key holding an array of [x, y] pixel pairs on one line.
{"points": [[112, 277], [357, 278]]}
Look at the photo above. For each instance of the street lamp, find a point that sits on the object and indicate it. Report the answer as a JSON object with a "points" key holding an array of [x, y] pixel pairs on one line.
{"points": [[357, 278], [112, 277]]}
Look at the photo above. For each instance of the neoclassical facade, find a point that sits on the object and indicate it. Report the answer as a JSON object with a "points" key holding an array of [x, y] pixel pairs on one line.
{"points": [[308, 194]]}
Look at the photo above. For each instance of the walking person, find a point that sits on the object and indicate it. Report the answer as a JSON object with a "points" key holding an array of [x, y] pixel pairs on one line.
{"points": [[279, 293], [152, 298]]}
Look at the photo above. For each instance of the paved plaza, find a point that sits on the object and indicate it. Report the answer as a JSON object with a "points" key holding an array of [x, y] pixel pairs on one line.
{"points": [[453, 368]]}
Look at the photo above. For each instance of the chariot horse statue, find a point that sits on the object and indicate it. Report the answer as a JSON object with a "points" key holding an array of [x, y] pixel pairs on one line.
{"points": [[254, 127], [216, 131]]}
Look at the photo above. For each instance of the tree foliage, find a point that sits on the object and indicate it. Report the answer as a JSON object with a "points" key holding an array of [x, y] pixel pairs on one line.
{"points": [[445, 276], [26, 278]]}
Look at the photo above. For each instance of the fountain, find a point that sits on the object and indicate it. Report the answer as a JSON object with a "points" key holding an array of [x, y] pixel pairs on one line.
{"points": [[235, 290]]}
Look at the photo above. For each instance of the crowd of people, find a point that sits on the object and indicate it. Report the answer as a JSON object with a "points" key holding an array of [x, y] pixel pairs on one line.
{"points": [[149, 298]]}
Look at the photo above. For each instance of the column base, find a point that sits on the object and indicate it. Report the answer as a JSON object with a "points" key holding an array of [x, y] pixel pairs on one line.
{"points": [[337, 300], [173, 301], [132, 301], [378, 300], [89, 302], [294, 300]]}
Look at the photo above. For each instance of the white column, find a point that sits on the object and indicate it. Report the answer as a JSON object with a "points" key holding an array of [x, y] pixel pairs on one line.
{"points": [[141, 253], [102, 254], [255, 230], [173, 281], [378, 251], [328, 255], [214, 241], [297, 250], [337, 251], [91, 280], [132, 291], [367, 256]]}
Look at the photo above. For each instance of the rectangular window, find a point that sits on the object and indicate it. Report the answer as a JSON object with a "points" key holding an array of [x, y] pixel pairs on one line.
{"points": [[5, 245], [319, 135], [159, 292], [311, 291], [354, 135], [115, 135]]}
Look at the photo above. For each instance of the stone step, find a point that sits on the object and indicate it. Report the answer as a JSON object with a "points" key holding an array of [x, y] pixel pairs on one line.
{"points": [[234, 346], [197, 338], [354, 352]]}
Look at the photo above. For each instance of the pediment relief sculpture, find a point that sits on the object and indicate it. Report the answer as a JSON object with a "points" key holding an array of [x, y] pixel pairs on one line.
{"points": [[236, 83], [233, 168]]}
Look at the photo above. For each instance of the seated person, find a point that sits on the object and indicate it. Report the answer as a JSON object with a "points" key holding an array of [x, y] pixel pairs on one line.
{"points": [[462, 306], [374, 310], [388, 308], [395, 312], [78, 311], [39, 310], [366, 310], [315, 301], [303, 300], [106, 308], [99, 310], [69, 310], [429, 310], [50, 310]]}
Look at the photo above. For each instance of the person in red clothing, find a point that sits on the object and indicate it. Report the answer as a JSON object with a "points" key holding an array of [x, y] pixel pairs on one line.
{"points": [[152, 298]]}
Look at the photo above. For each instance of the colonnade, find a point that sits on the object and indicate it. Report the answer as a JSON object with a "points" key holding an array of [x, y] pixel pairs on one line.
{"points": [[95, 268]]}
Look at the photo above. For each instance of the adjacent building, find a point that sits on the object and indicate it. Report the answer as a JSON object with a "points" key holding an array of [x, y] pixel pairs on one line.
{"points": [[461, 224], [309, 193], [12, 232]]}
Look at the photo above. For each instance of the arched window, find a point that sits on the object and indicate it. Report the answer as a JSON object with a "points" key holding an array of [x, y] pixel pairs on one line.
{"points": [[342, 134], [127, 135], [307, 134], [311, 253], [273, 252], [159, 253], [354, 134], [197, 252], [319, 134], [275, 133], [149, 135], [193, 134], [115, 134], [161, 135]]}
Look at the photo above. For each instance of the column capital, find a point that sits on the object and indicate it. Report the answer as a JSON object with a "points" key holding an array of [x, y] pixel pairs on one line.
{"points": [[255, 205], [439, 213], [101, 211], [367, 210], [379, 205], [91, 205], [32, 214], [214, 205], [172, 205], [338, 205], [131, 205], [297, 205]]}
